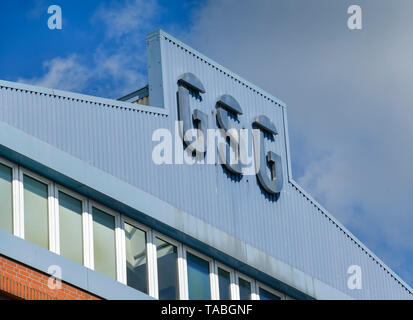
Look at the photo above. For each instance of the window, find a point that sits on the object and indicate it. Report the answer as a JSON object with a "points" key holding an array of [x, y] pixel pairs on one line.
{"points": [[244, 289], [36, 212], [198, 278], [64, 222], [6, 200], [136, 258], [224, 282], [266, 295], [104, 243], [167, 261], [70, 227]]}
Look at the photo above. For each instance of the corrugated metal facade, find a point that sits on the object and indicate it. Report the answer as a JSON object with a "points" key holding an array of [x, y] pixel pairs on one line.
{"points": [[118, 139]]}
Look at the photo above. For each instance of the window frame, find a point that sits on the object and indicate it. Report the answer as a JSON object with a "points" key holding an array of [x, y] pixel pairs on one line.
{"points": [[118, 235], [181, 265], [252, 281], [233, 286], [15, 195], [212, 274], [51, 203], [148, 244], [85, 241], [270, 290]]}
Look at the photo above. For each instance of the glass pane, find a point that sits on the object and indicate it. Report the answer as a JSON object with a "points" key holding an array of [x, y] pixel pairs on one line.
{"points": [[265, 295], [167, 270], [35, 212], [224, 279], [244, 289], [136, 258], [70, 225], [198, 278], [6, 201], [104, 243]]}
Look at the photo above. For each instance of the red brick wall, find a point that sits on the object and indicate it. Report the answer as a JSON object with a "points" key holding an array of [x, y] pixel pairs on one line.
{"points": [[23, 282]]}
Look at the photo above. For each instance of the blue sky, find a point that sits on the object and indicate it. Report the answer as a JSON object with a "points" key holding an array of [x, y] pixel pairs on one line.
{"points": [[89, 36], [348, 92]]}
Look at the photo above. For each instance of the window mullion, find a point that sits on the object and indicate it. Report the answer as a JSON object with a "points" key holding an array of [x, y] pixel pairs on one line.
{"points": [[183, 273], [214, 280], [85, 233], [254, 291], [16, 189], [234, 286], [152, 265], [57, 217], [53, 215], [235, 291], [88, 232], [120, 250], [21, 203]]}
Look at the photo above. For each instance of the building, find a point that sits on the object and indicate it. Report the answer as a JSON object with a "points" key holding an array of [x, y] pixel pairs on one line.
{"points": [[82, 198]]}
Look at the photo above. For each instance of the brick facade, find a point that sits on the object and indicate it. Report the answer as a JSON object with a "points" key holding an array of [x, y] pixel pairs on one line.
{"points": [[21, 282]]}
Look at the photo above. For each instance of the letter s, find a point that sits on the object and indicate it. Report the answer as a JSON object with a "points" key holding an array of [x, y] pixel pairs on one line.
{"points": [[225, 104]]}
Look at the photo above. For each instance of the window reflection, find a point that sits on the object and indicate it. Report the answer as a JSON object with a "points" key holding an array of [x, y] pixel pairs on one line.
{"points": [[167, 256], [244, 289], [266, 295], [224, 279], [70, 222], [6, 202], [36, 225], [136, 260], [104, 243], [198, 278]]}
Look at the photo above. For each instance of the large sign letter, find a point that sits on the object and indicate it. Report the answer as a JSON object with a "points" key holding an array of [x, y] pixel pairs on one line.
{"points": [[225, 104], [187, 83], [274, 184]]}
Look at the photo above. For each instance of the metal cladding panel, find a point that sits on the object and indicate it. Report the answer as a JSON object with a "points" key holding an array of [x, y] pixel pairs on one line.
{"points": [[117, 138]]}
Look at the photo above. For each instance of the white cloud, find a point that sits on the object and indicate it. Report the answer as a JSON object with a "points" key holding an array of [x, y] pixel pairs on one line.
{"points": [[126, 17], [117, 66], [63, 73]]}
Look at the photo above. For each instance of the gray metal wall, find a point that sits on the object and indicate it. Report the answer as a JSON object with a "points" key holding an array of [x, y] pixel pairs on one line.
{"points": [[118, 140]]}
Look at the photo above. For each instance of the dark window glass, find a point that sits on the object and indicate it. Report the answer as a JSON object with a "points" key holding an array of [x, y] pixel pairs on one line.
{"points": [[136, 260], [167, 270], [265, 295], [6, 201], [224, 279], [244, 289], [198, 278]]}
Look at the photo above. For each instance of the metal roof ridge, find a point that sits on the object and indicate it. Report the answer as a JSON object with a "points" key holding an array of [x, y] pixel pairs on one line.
{"points": [[351, 235], [83, 97], [215, 64]]}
